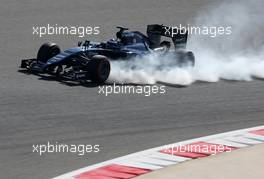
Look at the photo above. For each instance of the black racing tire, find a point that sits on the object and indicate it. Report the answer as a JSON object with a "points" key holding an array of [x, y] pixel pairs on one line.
{"points": [[190, 58], [47, 51], [99, 68], [187, 59]]}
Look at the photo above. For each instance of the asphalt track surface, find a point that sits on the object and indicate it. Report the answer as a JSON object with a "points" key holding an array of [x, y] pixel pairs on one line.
{"points": [[34, 110]]}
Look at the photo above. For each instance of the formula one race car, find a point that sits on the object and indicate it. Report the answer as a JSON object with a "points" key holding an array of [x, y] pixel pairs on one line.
{"points": [[91, 60]]}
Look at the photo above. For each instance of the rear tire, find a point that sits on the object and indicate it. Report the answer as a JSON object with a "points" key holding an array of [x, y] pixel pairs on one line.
{"points": [[100, 68], [190, 59], [47, 51], [187, 59]]}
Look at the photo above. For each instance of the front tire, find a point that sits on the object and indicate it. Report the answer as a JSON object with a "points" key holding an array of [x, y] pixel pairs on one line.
{"points": [[47, 51], [100, 68]]}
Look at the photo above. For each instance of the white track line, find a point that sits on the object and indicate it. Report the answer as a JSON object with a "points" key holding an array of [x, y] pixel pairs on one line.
{"points": [[228, 143], [153, 160]]}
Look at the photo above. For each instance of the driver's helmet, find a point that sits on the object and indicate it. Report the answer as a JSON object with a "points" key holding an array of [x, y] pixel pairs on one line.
{"points": [[128, 38]]}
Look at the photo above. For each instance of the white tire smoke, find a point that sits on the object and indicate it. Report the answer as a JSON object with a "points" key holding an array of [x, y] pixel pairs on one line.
{"points": [[238, 56]]}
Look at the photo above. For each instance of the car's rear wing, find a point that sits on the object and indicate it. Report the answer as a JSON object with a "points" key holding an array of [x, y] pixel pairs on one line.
{"points": [[179, 37]]}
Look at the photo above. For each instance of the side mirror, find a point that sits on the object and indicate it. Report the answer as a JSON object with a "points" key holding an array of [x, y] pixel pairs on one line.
{"points": [[79, 43], [86, 43]]}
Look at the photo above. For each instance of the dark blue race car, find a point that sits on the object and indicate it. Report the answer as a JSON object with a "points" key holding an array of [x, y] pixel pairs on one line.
{"points": [[90, 60]]}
